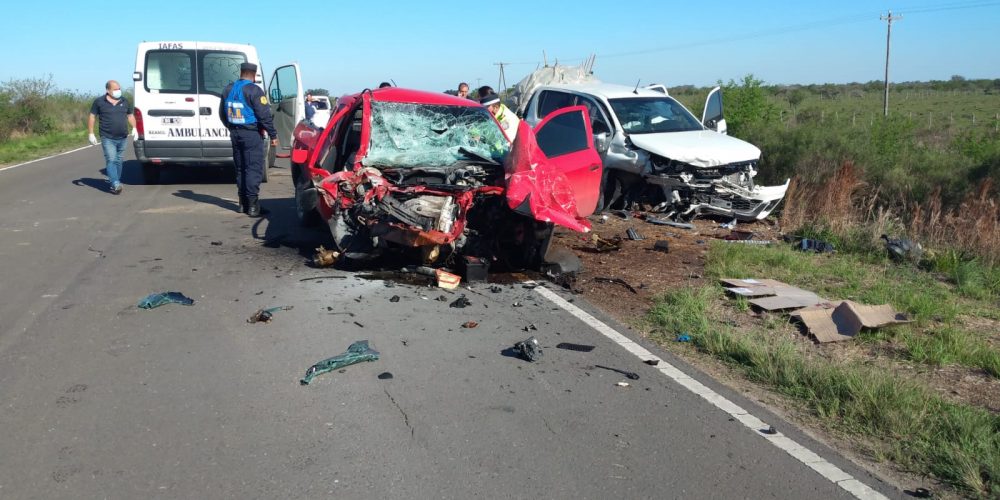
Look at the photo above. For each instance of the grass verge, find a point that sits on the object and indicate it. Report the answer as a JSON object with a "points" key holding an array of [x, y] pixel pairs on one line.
{"points": [[939, 336], [36, 146], [909, 424]]}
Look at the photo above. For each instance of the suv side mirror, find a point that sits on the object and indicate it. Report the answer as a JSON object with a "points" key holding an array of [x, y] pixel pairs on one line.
{"points": [[601, 142]]}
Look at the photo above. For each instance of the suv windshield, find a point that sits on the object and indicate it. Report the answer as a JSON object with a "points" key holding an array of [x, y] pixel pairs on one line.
{"points": [[405, 135], [650, 115]]}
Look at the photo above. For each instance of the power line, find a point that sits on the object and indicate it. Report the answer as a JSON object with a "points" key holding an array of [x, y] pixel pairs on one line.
{"points": [[860, 17]]}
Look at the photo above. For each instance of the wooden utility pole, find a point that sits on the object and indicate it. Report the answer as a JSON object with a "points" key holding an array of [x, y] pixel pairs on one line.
{"points": [[888, 35], [502, 81]]}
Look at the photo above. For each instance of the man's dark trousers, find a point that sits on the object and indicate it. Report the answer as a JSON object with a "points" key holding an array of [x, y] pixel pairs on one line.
{"points": [[248, 154]]}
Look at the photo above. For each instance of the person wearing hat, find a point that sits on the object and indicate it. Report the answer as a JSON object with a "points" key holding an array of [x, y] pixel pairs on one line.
{"points": [[508, 120], [245, 112]]}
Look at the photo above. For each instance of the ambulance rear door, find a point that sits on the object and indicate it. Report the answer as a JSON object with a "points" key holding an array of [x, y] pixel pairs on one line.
{"points": [[167, 97]]}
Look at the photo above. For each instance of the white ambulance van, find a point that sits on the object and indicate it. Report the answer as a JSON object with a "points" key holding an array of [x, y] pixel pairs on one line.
{"points": [[178, 88]]}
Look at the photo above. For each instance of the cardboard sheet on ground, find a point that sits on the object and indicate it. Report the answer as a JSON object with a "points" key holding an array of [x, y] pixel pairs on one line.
{"points": [[772, 295], [837, 321]]}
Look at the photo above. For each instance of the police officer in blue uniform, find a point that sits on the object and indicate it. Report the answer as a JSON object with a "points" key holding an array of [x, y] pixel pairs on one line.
{"points": [[245, 112]]}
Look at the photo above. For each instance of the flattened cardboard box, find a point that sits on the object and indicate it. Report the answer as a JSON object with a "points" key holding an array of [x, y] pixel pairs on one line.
{"points": [[838, 321]]}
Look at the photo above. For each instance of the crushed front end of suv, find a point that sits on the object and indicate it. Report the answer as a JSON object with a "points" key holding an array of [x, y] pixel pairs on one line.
{"points": [[655, 151]]}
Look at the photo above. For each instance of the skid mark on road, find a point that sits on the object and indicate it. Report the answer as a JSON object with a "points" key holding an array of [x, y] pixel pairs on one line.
{"points": [[812, 460]]}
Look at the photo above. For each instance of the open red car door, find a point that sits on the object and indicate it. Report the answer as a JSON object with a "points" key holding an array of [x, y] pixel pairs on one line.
{"points": [[554, 171]]}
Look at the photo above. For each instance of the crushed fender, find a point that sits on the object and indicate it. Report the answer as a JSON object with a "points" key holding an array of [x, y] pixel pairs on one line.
{"points": [[356, 353], [265, 315], [155, 300]]}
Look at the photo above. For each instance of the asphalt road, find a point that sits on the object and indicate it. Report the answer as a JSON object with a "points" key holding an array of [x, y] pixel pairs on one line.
{"points": [[103, 400]]}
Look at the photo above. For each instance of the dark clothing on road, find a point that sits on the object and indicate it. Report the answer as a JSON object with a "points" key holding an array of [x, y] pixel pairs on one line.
{"points": [[255, 97], [248, 154], [112, 118]]}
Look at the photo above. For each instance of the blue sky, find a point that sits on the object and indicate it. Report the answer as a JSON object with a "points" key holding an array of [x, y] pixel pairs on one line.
{"points": [[435, 45]]}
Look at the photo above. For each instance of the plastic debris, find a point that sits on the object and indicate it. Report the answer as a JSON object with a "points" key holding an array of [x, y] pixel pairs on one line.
{"points": [[920, 493], [529, 328], [385, 376], [442, 298], [602, 245], [623, 384], [633, 235], [901, 249], [665, 222], [808, 245], [628, 374], [155, 300], [496, 289], [770, 430], [394, 298], [617, 281], [265, 315], [324, 257], [729, 225], [569, 346], [652, 362], [683, 338], [662, 246], [216, 243], [528, 349], [356, 353], [461, 302], [470, 324]]}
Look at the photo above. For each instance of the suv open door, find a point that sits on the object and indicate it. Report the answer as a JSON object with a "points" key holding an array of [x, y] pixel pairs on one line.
{"points": [[287, 108], [712, 116]]}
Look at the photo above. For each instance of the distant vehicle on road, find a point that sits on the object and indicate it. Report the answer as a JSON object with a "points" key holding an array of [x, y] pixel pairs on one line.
{"points": [[178, 88], [321, 104]]}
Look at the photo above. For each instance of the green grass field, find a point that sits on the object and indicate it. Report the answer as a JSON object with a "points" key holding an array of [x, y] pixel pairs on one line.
{"points": [[898, 417]]}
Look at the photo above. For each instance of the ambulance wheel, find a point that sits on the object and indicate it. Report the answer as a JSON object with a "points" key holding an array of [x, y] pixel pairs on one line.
{"points": [[150, 173], [263, 178]]}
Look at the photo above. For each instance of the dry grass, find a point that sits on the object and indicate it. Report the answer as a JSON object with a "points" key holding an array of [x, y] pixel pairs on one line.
{"points": [[844, 204]]}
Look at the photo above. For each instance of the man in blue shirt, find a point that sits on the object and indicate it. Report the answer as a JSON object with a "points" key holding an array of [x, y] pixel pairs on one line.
{"points": [[245, 112], [115, 115], [310, 108]]}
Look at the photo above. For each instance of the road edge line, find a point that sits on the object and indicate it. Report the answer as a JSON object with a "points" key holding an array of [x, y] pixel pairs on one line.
{"points": [[43, 159], [807, 457]]}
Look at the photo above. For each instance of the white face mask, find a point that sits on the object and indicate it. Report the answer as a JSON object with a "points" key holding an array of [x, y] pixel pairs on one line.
{"points": [[117, 94]]}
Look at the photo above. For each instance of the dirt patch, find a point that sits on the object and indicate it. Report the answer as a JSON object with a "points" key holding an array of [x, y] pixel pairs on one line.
{"points": [[647, 270]]}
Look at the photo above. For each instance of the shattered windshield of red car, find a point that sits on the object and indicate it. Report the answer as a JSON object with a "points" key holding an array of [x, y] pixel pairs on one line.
{"points": [[405, 135]]}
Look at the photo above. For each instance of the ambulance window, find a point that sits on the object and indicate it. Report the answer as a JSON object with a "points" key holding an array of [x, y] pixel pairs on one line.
{"points": [[218, 69], [169, 71]]}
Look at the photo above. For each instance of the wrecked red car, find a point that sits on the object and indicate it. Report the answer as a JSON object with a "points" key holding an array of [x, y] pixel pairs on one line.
{"points": [[434, 175]]}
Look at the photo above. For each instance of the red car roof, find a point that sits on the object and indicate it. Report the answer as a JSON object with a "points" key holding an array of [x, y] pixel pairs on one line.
{"points": [[396, 94]]}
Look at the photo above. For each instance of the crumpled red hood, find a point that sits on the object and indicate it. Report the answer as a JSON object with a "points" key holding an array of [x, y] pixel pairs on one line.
{"points": [[536, 187]]}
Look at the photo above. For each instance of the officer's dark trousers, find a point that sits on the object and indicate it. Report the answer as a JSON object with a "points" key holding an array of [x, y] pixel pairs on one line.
{"points": [[248, 154]]}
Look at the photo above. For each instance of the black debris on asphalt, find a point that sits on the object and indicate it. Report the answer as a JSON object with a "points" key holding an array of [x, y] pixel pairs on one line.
{"points": [[528, 349], [461, 302], [569, 346]]}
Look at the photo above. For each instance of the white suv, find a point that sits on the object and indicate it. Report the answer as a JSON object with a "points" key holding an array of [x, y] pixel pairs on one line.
{"points": [[652, 145]]}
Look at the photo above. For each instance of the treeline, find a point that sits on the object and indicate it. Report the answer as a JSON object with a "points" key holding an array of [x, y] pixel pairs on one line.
{"points": [[35, 106]]}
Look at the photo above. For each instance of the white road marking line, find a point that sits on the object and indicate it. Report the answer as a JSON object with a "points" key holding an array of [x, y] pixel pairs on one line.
{"points": [[823, 467], [46, 158]]}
